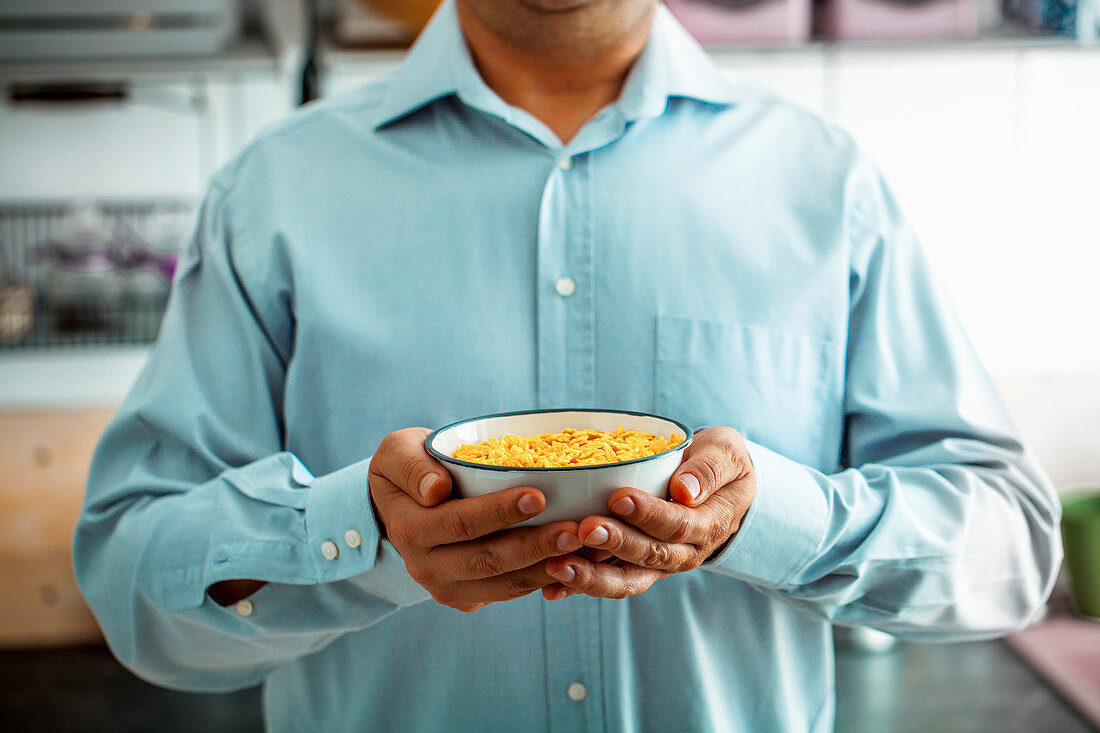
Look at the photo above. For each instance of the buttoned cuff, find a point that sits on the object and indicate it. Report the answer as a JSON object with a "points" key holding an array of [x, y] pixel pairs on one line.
{"points": [[293, 609], [340, 527], [345, 541], [783, 527]]}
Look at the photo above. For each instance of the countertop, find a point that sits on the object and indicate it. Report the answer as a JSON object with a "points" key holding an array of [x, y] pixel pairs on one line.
{"points": [[979, 686]]}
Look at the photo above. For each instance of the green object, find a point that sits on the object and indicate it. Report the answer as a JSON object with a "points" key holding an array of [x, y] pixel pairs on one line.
{"points": [[1081, 537]]}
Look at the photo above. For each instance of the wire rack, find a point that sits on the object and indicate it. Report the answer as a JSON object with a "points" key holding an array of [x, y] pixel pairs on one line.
{"points": [[87, 274]]}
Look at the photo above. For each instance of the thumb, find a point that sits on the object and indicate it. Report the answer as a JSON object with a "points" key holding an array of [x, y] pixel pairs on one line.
{"points": [[710, 462], [403, 460]]}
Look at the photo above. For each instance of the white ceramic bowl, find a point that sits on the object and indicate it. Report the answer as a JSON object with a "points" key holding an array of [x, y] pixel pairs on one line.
{"points": [[573, 492]]}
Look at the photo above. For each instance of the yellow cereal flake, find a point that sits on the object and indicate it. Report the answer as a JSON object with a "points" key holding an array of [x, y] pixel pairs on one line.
{"points": [[567, 448]]}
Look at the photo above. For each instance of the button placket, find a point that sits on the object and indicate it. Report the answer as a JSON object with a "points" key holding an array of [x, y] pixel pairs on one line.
{"points": [[565, 669], [588, 626], [581, 314], [551, 307]]}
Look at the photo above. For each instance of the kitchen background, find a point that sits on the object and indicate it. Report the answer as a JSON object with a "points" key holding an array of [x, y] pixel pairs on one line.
{"points": [[114, 113]]}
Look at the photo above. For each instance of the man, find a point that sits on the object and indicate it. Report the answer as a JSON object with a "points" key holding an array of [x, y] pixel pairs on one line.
{"points": [[553, 203]]}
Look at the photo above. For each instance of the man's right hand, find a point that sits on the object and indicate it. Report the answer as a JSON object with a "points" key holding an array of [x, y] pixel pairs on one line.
{"points": [[461, 550]]}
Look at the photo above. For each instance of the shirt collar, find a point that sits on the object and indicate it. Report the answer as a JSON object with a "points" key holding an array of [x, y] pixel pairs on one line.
{"points": [[439, 65]]}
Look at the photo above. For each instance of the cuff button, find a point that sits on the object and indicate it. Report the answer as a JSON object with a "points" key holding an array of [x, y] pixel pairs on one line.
{"points": [[329, 550], [353, 538], [244, 608]]}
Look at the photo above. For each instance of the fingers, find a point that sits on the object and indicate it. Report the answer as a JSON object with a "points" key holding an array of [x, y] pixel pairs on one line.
{"points": [[511, 550], [403, 460], [600, 580], [665, 520], [591, 553], [471, 595], [716, 457], [462, 520], [636, 547], [557, 591], [404, 476]]}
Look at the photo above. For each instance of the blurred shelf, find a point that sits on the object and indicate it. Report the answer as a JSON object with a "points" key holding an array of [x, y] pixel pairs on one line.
{"points": [[1008, 36], [250, 55]]}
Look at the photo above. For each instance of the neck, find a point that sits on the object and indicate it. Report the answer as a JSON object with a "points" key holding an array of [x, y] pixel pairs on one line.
{"points": [[562, 67]]}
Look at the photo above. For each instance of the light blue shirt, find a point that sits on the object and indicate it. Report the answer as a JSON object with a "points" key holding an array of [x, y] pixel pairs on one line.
{"points": [[390, 258]]}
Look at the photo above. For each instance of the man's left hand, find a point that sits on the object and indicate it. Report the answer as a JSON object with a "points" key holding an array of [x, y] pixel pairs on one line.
{"points": [[653, 538]]}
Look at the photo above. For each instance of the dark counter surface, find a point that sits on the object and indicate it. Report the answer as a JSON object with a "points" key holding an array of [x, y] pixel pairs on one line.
{"points": [[943, 688], [947, 688]]}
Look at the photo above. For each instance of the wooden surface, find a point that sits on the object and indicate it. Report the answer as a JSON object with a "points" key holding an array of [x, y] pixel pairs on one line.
{"points": [[44, 460]]}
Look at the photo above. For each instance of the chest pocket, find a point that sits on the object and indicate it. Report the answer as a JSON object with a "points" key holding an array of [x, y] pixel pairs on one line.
{"points": [[778, 389]]}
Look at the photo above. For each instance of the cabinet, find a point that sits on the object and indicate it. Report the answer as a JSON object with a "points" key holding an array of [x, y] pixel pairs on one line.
{"points": [[45, 457]]}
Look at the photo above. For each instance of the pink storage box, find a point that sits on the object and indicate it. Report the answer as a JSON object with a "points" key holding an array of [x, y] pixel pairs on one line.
{"points": [[888, 19], [753, 21]]}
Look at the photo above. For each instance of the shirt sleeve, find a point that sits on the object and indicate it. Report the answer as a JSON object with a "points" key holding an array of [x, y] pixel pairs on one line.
{"points": [[191, 485], [941, 526]]}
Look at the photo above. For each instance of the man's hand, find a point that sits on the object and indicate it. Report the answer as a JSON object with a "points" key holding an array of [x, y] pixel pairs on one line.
{"points": [[711, 491], [461, 550]]}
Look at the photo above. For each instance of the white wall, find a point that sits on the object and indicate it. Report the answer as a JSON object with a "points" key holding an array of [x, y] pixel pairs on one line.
{"points": [[995, 156]]}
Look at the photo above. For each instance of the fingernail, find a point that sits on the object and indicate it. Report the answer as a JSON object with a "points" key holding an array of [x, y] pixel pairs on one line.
{"points": [[427, 482], [528, 504], [597, 537], [691, 484], [564, 575], [624, 506], [568, 542]]}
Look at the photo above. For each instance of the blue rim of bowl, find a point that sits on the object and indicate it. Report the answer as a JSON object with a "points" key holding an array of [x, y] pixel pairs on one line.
{"points": [[689, 435]]}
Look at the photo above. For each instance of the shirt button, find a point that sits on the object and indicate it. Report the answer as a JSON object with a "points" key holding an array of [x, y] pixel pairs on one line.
{"points": [[353, 538], [565, 163], [329, 550], [565, 287], [244, 608], [577, 692]]}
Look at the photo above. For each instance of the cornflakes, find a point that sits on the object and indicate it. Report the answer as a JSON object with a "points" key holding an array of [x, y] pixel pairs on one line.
{"points": [[567, 448]]}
